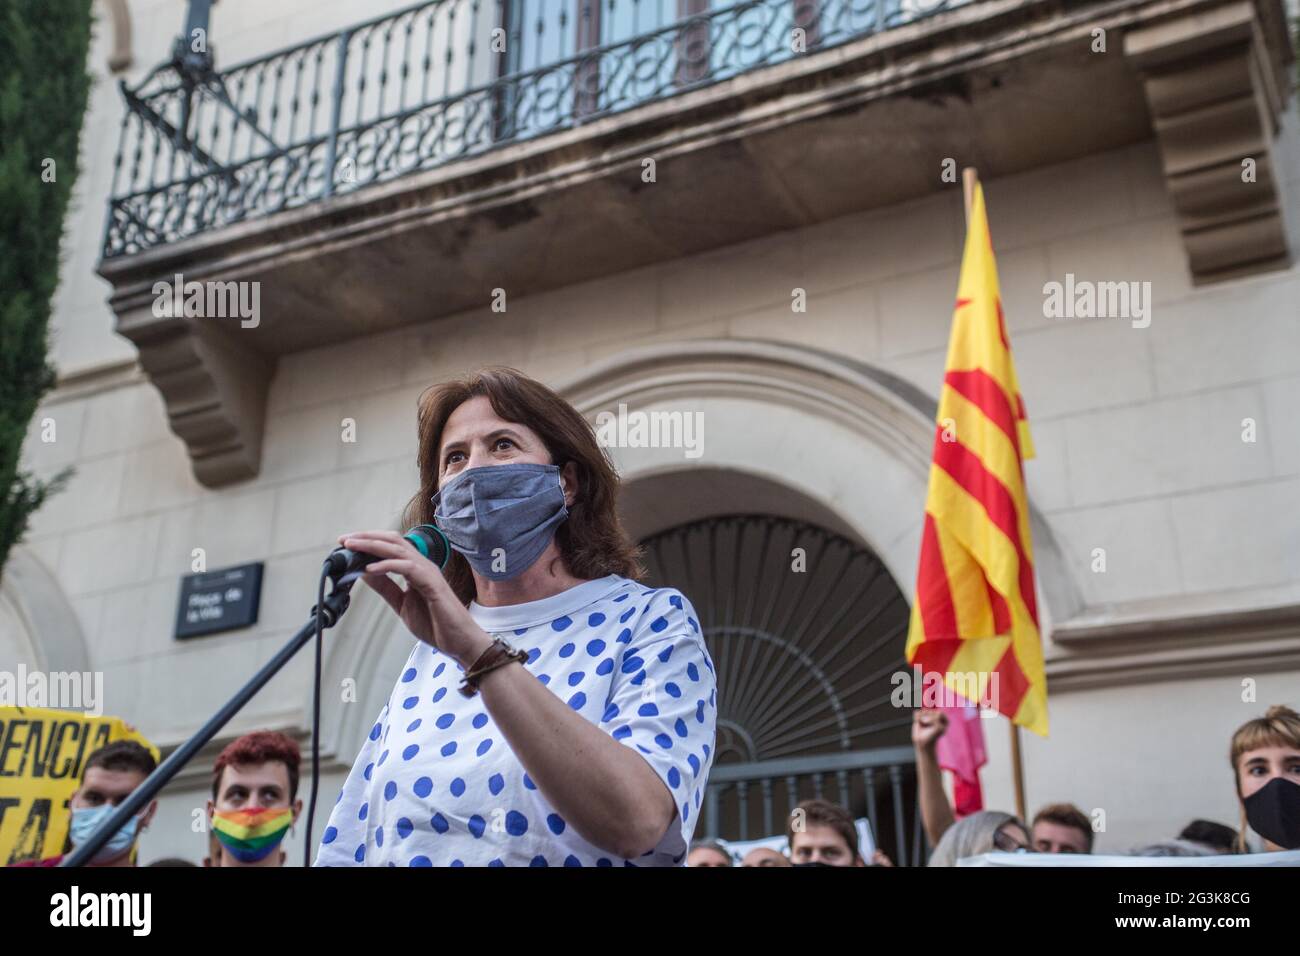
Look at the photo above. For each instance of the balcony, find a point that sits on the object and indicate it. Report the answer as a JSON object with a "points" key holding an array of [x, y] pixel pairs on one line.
{"points": [[427, 86], [406, 167]]}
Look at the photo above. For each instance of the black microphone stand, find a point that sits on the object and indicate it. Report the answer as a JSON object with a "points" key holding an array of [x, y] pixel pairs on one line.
{"points": [[333, 606]]}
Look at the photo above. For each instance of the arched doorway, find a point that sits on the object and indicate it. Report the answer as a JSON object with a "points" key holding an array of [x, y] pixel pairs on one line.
{"points": [[811, 444], [806, 628]]}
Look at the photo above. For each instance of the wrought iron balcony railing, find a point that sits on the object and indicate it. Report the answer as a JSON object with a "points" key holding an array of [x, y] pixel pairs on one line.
{"points": [[438, 81]]}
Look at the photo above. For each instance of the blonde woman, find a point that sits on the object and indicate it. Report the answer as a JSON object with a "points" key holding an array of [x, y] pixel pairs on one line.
{"points": [[1265, 755], [984, 832]]}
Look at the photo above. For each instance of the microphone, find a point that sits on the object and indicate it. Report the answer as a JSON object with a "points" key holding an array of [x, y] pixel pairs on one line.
{"points": [[344, 565]]}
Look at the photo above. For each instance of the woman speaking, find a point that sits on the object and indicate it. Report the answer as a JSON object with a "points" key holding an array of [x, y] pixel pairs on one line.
{"points": [[554, 712]]}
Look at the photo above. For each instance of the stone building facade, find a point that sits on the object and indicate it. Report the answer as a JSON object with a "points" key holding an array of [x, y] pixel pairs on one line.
{"points": [[1174, 447]]}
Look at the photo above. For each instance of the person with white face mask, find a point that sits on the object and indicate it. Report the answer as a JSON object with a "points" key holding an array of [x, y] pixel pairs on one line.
{"points": [[554, 711], [111, 775]]}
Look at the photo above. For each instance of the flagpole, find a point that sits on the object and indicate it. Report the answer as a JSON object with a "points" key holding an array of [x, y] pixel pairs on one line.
{"points": [[969, 177]]}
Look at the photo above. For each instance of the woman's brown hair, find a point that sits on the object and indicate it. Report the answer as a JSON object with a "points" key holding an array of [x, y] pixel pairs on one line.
{"points": [[1279, 727], [592, 541]]}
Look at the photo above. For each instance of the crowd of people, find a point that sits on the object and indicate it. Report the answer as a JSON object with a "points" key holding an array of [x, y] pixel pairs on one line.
{"points": [[1264, 754], [254, 803]]}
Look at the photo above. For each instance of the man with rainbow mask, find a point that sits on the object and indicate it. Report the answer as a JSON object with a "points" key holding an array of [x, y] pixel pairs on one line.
{"points": [[254, 799]]}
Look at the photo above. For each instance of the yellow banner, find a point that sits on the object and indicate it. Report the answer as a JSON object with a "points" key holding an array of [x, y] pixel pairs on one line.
{"points": [[42, 755]]}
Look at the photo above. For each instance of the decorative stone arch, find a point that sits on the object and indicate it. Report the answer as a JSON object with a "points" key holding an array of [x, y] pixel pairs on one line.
{"points": [[843, 444], [38, 626]]}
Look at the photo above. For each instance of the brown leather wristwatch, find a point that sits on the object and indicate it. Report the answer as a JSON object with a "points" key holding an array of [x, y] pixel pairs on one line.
{"points": [[499, 654]]}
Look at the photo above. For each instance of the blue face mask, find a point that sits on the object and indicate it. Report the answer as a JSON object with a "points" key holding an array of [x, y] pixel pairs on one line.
{"points": [[86, 820], [501, 517]]}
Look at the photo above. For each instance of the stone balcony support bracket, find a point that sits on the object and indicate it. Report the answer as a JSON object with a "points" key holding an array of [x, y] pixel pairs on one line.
{"points": [[214, 387], [1216, 94]]}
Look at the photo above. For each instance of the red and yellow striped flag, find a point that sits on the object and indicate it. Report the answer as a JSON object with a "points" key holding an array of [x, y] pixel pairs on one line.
{"points": [[975, 610]]}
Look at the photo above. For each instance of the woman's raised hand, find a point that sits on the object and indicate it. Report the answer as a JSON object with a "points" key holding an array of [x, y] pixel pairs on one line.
{"points": [[428, 606]]}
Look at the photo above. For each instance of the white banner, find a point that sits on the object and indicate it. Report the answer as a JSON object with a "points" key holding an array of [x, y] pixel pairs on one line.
{"points": [[1286, 858], [738, 849]]}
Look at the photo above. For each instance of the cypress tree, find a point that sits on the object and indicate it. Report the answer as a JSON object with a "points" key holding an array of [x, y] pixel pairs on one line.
{"points": [[43, 90]]}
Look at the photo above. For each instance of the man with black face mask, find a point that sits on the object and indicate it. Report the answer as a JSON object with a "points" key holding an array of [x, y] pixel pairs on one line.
{"points": [[1265, 757]]}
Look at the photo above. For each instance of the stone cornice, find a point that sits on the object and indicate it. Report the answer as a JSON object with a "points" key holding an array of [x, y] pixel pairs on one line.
{"points": [[1244, 642]]}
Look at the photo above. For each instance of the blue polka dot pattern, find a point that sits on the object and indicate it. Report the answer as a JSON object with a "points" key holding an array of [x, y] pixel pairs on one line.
{"points": [[628, 659]]}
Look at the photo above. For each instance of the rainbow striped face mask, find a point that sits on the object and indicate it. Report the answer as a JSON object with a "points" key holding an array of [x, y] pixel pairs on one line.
{"points": [[250, 835]]}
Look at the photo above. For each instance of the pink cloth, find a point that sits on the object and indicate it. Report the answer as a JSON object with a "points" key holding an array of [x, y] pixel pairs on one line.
{"points": [[961, 752]]}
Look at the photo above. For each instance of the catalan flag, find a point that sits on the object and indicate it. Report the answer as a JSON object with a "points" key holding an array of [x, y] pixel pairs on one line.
{"points": [[975, 610]]}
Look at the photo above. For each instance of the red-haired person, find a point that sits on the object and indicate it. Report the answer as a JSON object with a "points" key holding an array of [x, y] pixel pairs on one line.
{"points": [[553, 711], [110, 776], [1265, 755], [254, 798]]}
